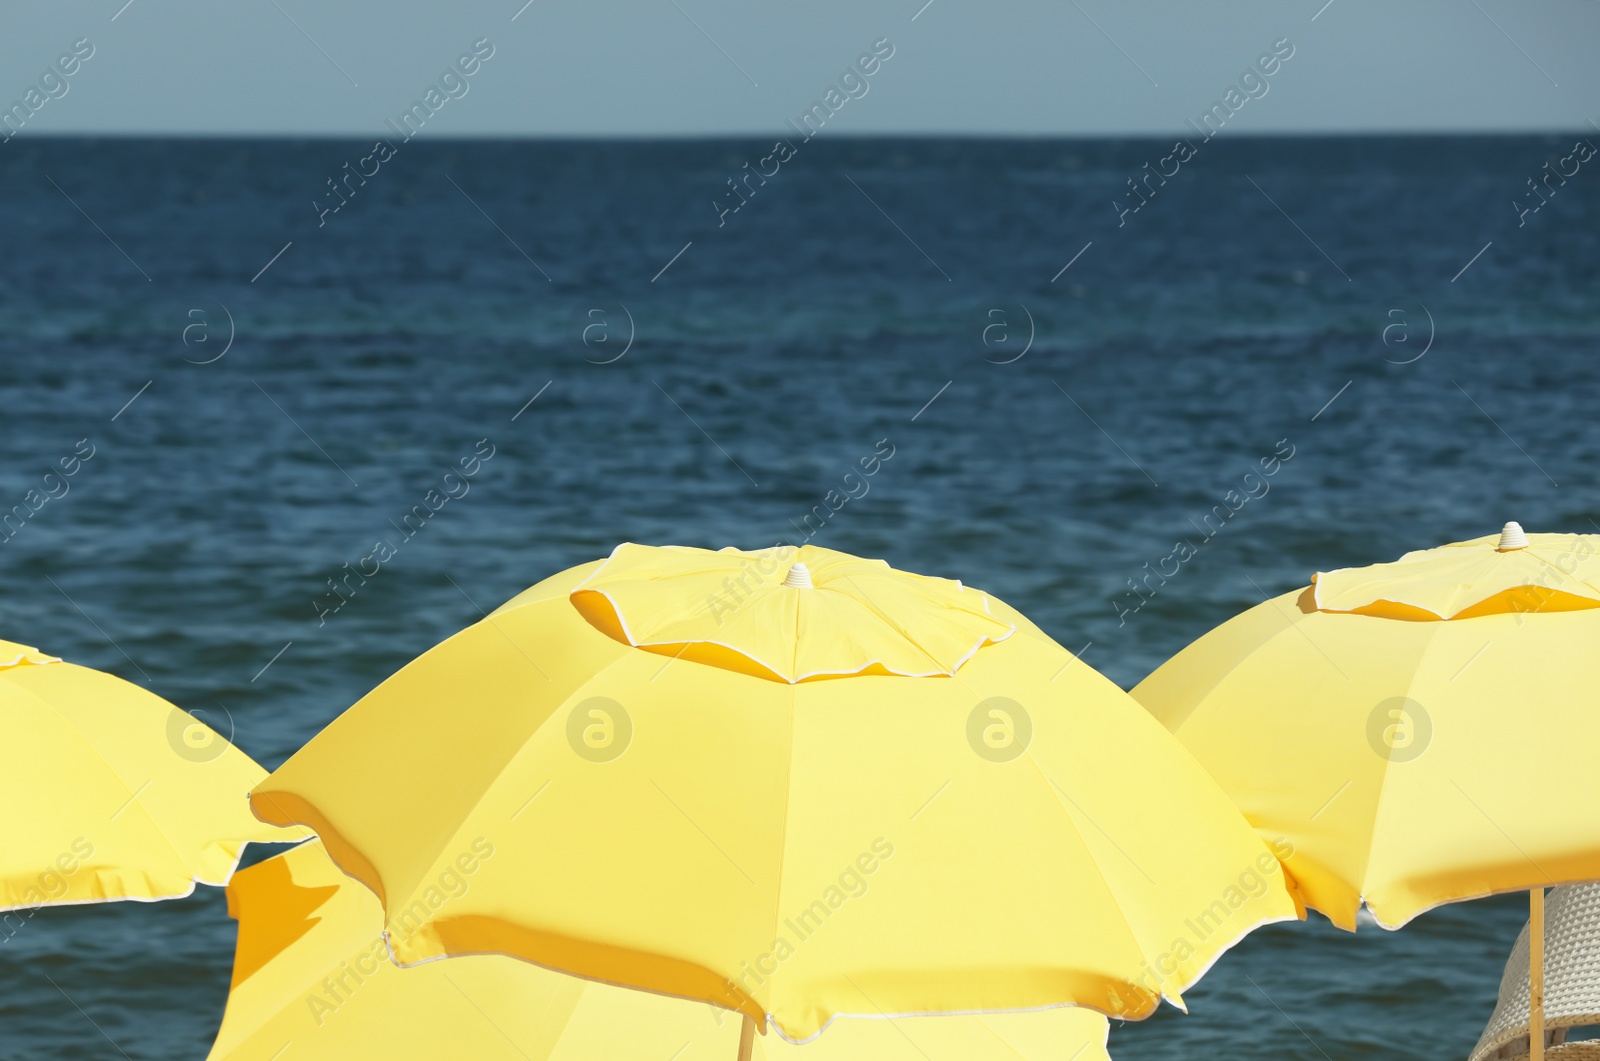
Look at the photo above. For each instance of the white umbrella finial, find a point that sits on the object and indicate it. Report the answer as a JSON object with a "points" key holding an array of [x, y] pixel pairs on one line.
{"points": [[1511, 538], [799, 577]]}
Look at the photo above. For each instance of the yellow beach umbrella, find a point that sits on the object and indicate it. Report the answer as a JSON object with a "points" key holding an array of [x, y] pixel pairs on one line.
{"points": [[1421, 731], [794, 783], [313, 982], [107, 791]]}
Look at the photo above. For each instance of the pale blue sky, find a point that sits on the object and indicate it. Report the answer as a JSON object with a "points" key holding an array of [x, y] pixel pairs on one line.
{"points": [[689, 67]]}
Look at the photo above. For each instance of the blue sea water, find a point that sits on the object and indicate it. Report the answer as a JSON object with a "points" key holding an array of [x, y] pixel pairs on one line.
{"points": [[1275, 296]]}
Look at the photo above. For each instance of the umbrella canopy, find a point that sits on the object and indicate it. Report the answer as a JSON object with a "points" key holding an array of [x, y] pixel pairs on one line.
{"points": [[107, 791], [312, 981], [1422, 731], [794, 783]]}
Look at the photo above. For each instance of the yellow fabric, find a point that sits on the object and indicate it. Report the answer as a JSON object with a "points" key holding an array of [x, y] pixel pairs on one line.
{"points": [[311, 974], [98, 803], [1556, 572], [1409, 763], [15, 655], [787, 849], [860, 615]]}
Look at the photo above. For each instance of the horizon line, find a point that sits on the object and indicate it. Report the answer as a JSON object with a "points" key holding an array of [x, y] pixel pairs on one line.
{"points": [[690, 137]]}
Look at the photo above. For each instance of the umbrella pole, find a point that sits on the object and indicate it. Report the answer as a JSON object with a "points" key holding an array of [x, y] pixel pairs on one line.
{"points": [[1536, 974], [747, 1038]]}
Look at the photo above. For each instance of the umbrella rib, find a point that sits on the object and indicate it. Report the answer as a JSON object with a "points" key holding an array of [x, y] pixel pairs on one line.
{"points": [[172, 845], [794, 650], [1268, 598], [498, 776], [882, 617], [783, 831], [1383, 779], [1503, 833], [703, 833], [1103, 833], [1133, 936], [490, 620]]}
